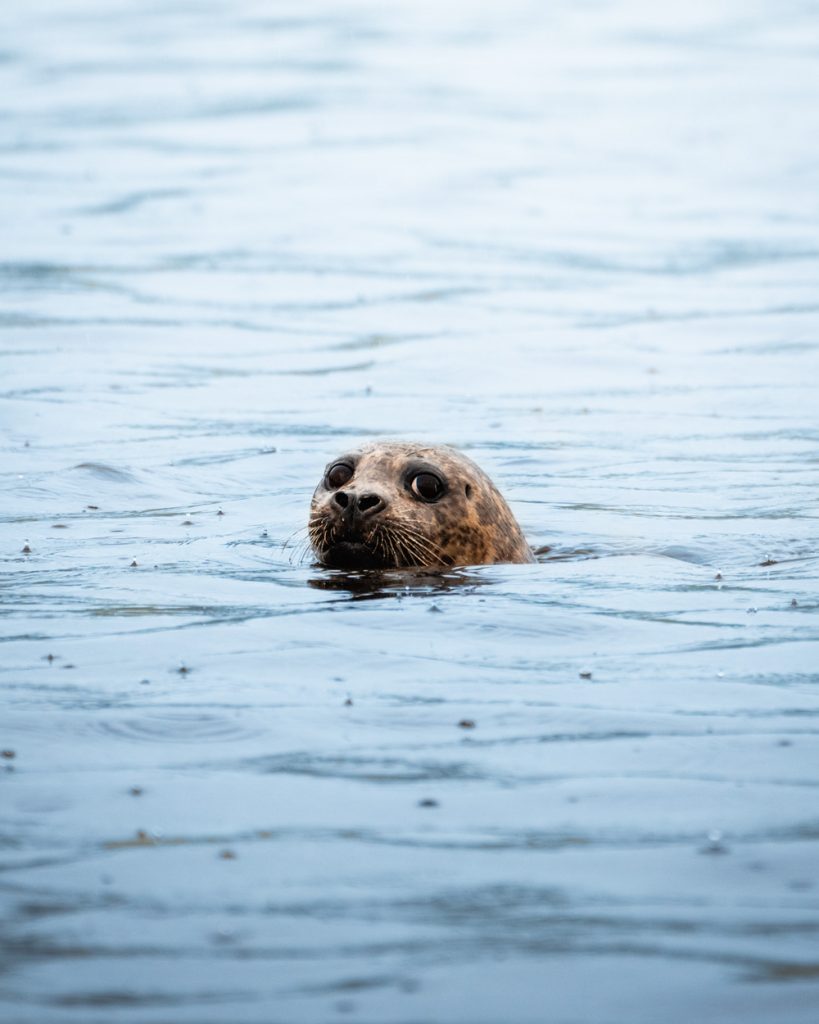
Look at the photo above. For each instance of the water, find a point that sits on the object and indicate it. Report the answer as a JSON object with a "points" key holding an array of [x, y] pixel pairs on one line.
{"points": [[578, 240]]}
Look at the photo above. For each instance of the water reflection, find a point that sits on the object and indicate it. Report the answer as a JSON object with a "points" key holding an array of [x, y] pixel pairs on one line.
{"points": [[367, 585]]}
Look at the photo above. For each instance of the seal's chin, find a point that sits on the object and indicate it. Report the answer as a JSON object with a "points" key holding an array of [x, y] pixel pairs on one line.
{"points": [[350, 554]]}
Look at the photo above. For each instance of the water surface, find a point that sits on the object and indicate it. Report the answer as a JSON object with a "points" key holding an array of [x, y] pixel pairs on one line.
{"points": [[578, 240]]}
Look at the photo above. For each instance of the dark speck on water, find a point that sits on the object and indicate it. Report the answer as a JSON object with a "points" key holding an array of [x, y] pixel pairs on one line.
{"points": [[576, 240]]}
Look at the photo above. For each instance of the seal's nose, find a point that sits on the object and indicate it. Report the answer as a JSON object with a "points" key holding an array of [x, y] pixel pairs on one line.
{"points": [[370, 504], [359, 506]]}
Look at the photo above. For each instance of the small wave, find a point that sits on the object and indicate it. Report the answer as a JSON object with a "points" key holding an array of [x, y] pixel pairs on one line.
{"points": [[105, 472]]}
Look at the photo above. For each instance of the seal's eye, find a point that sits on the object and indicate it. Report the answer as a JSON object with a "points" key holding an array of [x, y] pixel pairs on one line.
{"points": [[427, 486], [338, 475]]}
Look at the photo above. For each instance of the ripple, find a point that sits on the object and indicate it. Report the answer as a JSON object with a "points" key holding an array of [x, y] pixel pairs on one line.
{"points": [[176, 727]]}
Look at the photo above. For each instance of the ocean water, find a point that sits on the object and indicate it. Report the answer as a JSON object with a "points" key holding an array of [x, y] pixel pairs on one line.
{"points": [[579, 240]]}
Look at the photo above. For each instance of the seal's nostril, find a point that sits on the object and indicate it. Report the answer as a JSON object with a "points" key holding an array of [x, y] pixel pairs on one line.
{"points": [[370, 502], [341, 499]]}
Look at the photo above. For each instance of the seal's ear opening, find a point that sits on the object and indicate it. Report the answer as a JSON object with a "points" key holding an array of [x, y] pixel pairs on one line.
{"points": [[468, 490]]}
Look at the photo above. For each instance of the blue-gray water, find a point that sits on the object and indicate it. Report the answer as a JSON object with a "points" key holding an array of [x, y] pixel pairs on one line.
{"points": [[581, 241]]}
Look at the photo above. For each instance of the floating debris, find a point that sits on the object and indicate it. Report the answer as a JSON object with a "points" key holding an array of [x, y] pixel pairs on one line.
{"points": [[428, 802], [466, 723], [585, 675]]}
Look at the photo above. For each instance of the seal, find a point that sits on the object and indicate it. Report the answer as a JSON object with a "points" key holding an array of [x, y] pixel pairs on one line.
{"points": [[393, 504]]}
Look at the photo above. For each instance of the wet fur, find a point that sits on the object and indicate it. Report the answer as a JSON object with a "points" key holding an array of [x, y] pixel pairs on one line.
{"points": [[470, 525]]}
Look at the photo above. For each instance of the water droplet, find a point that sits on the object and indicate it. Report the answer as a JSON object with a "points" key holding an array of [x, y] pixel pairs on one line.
{"points": [[714, 842]]}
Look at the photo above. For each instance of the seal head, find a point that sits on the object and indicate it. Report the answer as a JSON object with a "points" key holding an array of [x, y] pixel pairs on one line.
{"points": [[396, 505]]}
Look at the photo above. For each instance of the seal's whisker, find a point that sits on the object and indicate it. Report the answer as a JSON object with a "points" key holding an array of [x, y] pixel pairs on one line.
{"points": [[298, 553], [415, 554], [421, 547], [405, 554], [296, 547], [320, 531], [385, 539], [419, 550], [399, 552], [302, 529]]}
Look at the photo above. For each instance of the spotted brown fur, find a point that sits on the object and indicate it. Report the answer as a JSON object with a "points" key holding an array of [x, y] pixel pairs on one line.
{"points": [[382, 523]]}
